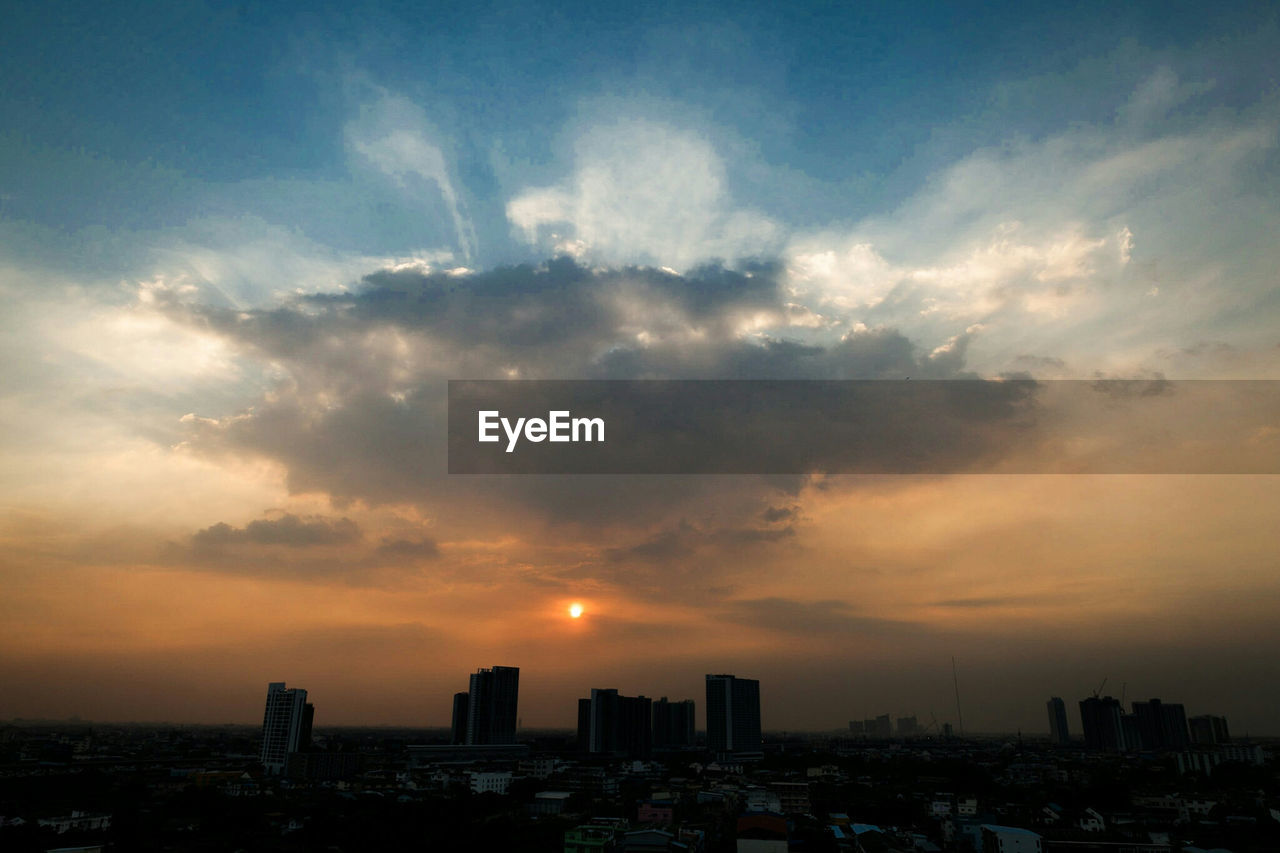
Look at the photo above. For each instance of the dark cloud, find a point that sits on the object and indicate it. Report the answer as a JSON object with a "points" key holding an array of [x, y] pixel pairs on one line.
{"points": [[287, 530], [359, 412], [987, 602], [1040, 362], [310, 548], [1123, 389], [809, 618], [686, 540], [774, 514], [415, 548]]}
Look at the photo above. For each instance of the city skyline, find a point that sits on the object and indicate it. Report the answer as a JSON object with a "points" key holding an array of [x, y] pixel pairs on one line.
{"points": [[611, 724], [244, 251]]}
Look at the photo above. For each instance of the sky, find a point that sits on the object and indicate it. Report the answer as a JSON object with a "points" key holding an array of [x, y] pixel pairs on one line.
{"points": [[244, 248]]}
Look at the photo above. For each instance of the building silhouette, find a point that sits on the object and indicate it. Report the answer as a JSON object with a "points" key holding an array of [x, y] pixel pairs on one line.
{"points": [[878, 727], [1103, 721], [1209, 730], [491, 705], [611, 724], [304, 733], [286, 726], [733, 716], [1161, 725], [461, 704], [673, 724], [1057, 709]]}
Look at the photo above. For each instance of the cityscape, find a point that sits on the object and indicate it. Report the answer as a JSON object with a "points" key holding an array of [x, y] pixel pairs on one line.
{"points": [[640, 775]]}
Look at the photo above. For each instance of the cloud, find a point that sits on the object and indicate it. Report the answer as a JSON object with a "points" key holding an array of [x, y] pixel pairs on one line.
{"points": [[1092, 245], [989, 602], [288, 530], [641, 191], [809, 618], [358, 411], [686, 540], [393, 134], [774, 514], [416, 548]]}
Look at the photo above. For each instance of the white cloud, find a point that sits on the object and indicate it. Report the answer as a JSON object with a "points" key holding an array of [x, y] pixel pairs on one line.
{"points": [[643, 192], [394, 135], [1055, 245], [249, 262]]}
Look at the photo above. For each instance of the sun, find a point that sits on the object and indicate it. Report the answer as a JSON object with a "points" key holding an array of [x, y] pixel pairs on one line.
{"points": [[575, 610]]}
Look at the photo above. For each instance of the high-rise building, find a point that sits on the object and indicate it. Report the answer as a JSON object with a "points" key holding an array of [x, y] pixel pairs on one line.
{"points": [[1161, 725], [304, 734], [286, 725], [491, 705], [733, 715], [1058, 720], [1132, 734], [584, 725], [461, 704], [610, 724], [877, 727], [908, 726], [673, 723], [1103, 722], [1209, 730]]}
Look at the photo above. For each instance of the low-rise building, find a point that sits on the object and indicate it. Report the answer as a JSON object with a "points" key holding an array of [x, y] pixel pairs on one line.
{"points": [[1009, 839]]}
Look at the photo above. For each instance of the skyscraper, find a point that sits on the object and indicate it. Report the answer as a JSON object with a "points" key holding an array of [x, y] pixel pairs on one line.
{"points": [[286, 725], [610, 724], [673, 723], [304, 733], [491, 705], [1209, 729], [1162, 725], [1058, 720], [1102, 720], [733, 715], [461, 704]]}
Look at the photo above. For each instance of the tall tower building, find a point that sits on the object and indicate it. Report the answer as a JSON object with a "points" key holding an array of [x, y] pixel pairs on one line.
{"points": [[491, 705], [1162, 725], [1104, 723], [610, 724], [286, 725], [461, 703], [673, 723], [1058, 720], [1209, 729], [733, 715]]}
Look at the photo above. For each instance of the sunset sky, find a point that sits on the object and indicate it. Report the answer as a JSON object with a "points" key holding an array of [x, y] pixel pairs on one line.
{"points": [[242, 251]]}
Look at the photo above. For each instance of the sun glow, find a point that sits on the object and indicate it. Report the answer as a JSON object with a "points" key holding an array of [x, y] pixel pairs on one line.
{"points": [[575, 610]]}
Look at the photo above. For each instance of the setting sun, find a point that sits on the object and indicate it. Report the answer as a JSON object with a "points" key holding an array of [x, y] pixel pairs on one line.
{"points": [[575, 610]]}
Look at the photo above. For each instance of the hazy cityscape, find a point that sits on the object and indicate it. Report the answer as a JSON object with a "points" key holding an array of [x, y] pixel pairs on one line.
{"points": [[640, 775]]}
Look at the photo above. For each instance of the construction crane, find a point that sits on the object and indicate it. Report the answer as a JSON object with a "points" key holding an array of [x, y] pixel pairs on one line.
{"points": [[1097, 693]]}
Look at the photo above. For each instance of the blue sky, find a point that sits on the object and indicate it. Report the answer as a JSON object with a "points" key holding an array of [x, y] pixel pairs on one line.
{"points": [[243, 248], [142, 117]]}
